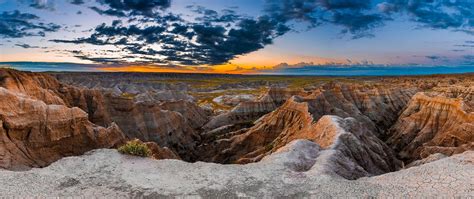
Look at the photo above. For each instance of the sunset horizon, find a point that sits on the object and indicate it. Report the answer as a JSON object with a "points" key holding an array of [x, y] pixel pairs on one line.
{"points": [[237, 36]]}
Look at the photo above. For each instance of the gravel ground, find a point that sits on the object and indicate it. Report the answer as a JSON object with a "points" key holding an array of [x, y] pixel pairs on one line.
{"points": [[106, 173]]}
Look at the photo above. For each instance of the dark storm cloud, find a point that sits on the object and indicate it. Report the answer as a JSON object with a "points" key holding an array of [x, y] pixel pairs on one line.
{"points": [[215, 37], [355, 16], [357, 24], [77, 2], [437, 14], [16, 24], [121, 8], [149, 35], [359, 17]]}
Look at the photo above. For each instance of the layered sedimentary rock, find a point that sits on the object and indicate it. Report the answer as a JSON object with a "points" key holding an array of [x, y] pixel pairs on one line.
{"points": [[348, 148], [35, 134], [247, 112], [149, 122], [171, 123], [433, 124], [351, 150], [295, 120], [290, 118], [377, 106], [233, 100], [31, 84], [195, 116], [344, 125], [164, 96], [161, 153]]}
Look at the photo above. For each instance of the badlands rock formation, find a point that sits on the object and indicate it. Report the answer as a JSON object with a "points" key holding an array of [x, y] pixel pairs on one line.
{"points": [[170, 124], [233, 100], [433, 124], [34, 134], [247, 112], [31, 84], [299, 118], [337, 139]]}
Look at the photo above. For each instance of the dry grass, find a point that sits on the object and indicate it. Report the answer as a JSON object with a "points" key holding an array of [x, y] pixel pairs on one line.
{"points": [[136, 148]]}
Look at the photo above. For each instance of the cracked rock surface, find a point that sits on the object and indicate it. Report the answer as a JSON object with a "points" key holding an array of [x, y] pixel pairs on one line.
{"points": [[106, 173]]}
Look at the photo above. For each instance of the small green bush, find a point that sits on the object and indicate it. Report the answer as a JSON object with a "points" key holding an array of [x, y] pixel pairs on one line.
{"points": [[136, 148]]}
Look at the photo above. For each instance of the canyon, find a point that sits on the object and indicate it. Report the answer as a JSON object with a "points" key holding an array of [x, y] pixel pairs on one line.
{"points": [[301, 134]]}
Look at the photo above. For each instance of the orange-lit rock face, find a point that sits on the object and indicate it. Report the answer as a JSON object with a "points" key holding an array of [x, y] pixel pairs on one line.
{"points": [[433, 125], [170, 124], [31, 84], [34, 134], [299, 118]]}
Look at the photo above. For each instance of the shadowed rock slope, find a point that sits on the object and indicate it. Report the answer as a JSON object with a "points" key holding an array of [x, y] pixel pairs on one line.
{"points": [[299, 118], [434, 123], [247, 112]]}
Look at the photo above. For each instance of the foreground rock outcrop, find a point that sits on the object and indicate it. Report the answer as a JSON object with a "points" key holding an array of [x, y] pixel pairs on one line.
{"points": [[35, 134], [106, 173]]}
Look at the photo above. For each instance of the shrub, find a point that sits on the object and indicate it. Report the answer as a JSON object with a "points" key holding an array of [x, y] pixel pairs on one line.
{"points": [[136, 148]]}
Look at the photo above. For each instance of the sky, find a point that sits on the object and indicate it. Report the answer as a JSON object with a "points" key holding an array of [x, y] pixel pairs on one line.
{"points": [[236, 36]]}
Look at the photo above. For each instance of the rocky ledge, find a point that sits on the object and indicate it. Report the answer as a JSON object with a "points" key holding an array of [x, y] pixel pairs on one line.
{"points": [[106, 173]]}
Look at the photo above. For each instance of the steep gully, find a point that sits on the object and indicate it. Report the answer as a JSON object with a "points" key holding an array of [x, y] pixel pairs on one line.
{"points": [[362, 130]]}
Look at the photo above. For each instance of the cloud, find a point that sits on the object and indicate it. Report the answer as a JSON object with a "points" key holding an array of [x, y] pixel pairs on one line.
{"points": [[16, 24], [210, 16], [354, 16], [467, 44], [26, 46], [41, 4], [77, 2], [359, 17], [122, 8], [298, 65], [169, 39], [433, 57], [345, 63], [437, 58], [468, 60], [146, 34], [457, 15]]}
